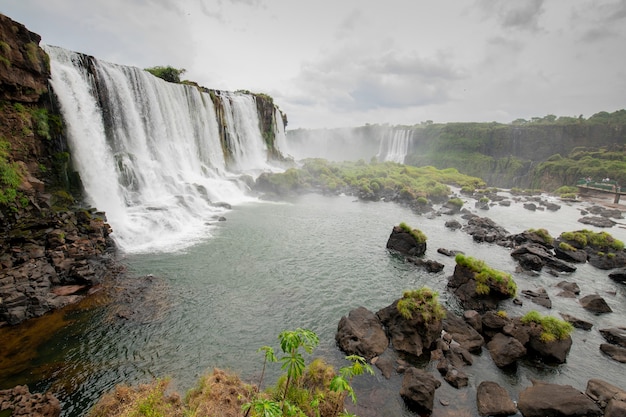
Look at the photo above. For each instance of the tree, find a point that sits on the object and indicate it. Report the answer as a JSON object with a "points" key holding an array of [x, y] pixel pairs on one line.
{"points": [[168, 73]]}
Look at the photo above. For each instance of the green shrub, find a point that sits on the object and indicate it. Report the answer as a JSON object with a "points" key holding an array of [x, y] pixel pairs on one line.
{"points": [[488, 278], [417, 234], [168, 73], [423, 301], [553, 328], [456, 201]]}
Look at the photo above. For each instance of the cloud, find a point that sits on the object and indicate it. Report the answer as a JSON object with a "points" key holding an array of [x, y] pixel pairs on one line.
{"points": [[391, 79], [522, 15]]}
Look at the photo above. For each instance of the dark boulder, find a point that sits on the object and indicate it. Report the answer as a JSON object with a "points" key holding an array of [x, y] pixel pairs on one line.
{"points": [[603, 392], [595, 304], [615, 335], [428, 264], [618, 275], [543, 399], [549, 351], [534, 256], [404, 242], [597, 221], [361, 333], [576, 322], [493, 400], [412, 336], [418, 390], [483, 229], [463, 333], [605, 261], [614, 352], [505, 350], [569, 254], [453, 224], [540, 297], [463, 284], [569, 286]]}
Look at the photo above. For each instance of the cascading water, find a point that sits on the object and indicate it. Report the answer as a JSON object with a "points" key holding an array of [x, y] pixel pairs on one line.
{"points": [[395, 146], [148, 152]]}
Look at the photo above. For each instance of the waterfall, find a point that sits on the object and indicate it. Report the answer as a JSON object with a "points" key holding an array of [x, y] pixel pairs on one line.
{"points": [[395, 146], [149, 152]]}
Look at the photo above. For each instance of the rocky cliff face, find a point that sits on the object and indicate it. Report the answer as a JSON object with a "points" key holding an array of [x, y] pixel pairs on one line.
{"points": [[26, 68], [51, 252]]}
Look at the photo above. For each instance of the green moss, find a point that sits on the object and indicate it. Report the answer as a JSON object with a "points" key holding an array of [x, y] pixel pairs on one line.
{"points": [[10, 175], [567, 247], [543, 234], [423, 301], [553, 328], [417, 234], [488, 278], [5, 61], [600, 240], [32, 53], [40, 121]]}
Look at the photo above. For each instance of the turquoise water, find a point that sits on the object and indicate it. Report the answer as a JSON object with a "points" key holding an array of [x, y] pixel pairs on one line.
{"points": [[305, 263]]}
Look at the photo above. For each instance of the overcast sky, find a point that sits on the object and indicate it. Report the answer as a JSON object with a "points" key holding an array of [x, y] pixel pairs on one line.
{"points": [[341, 63]]}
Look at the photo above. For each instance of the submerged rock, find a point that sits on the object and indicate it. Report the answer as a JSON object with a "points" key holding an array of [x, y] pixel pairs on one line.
{"points": [[418, 390], [543, 399]]}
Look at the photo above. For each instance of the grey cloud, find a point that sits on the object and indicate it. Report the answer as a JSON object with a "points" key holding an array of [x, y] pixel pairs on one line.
{"points": [[391, 80], [523, 15]]}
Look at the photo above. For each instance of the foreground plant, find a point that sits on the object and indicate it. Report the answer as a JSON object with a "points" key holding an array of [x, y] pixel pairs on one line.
{"points": [[314, 391]]}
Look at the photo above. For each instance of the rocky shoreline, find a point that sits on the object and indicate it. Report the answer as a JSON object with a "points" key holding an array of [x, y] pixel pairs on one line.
{"points": [[393, 341]]}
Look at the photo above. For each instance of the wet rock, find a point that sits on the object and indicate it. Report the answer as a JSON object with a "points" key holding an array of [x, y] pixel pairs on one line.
{"points": [[448, 252], [427, 264], [539, 297], [361, 333], [402, 241], [605, 212], [483, 229], [615, 335], [614, 352], [493, 400], [553, 351], [569, 286], [595, 304], [418, 390], [530, 206], [473, 318], [453, 224], [412, 336], [597, 221], [543, 399], [22, 403], [570, 255], [576, 322], [534, 256], [618, 275], [505, 350], [602, 392], [463, 333], [463, 284]]}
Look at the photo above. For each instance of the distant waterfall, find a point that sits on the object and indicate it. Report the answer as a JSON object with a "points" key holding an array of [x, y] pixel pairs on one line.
{"points": [[149, 152], [395, 146]]}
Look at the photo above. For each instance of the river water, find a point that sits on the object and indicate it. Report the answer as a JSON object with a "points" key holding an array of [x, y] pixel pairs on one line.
{"points": [[303, 263]]}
